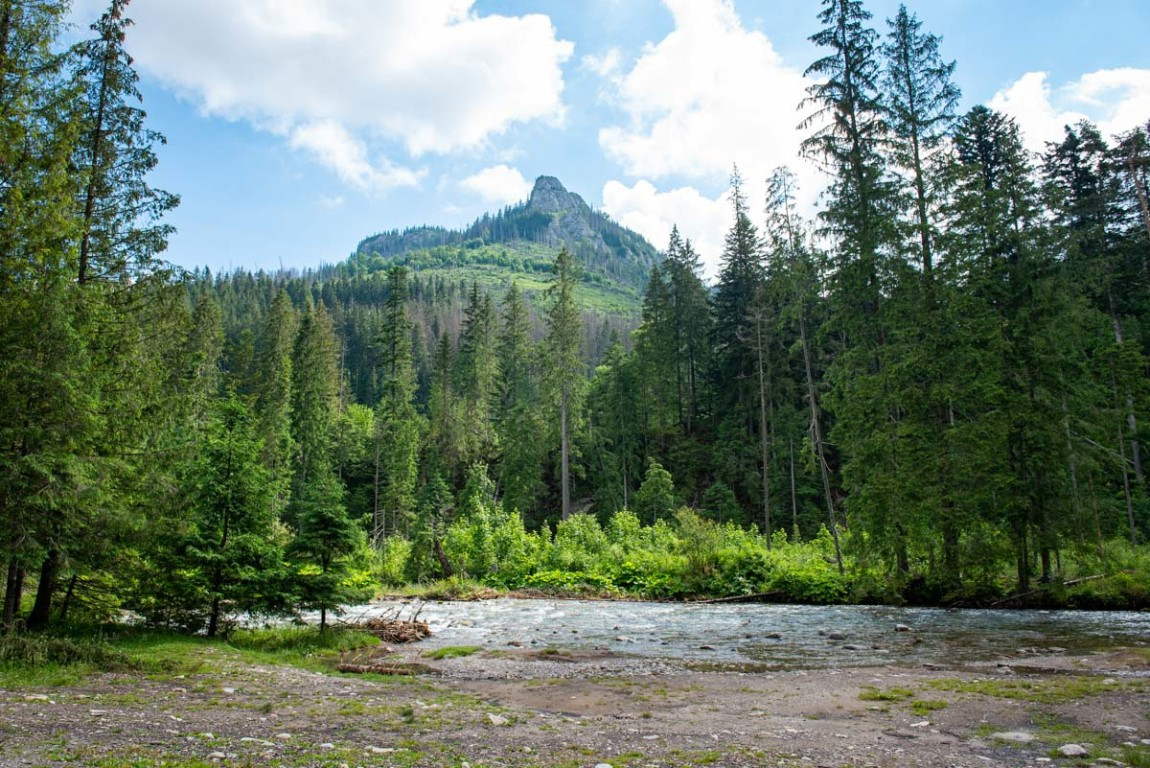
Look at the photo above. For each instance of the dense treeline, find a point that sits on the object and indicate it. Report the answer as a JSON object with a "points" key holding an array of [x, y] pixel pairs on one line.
{"points": [[939, 382]]}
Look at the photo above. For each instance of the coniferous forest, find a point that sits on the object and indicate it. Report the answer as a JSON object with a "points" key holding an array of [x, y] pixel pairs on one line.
{"points": [[935, 390]]}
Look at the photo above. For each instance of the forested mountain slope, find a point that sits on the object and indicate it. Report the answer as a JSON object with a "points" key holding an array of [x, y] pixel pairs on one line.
{"points": [[520, 244]]}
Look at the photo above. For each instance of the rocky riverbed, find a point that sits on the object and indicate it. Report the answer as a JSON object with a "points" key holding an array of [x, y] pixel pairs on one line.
{"points": [[516, 706]]}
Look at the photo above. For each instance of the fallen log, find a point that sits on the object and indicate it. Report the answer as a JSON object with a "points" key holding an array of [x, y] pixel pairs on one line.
{"points": [[1045, 587], [756, 597], [375, 669]]}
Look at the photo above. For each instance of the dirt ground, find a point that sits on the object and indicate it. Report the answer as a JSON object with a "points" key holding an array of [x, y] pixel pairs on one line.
{"points": [[512, 707]]}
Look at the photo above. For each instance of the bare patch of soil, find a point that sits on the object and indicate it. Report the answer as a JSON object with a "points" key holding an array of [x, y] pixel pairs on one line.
{"points": [[530, 708]]}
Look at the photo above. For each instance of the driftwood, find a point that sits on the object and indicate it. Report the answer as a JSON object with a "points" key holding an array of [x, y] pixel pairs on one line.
{"points": [[393, 627], [758, 596], [376, 669], [1044, 587]]}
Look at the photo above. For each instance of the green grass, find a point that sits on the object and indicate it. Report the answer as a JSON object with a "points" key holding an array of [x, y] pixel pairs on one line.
{"points": [[301, 640], [452, 652], [1046, 691], [890, 694], [923, 707]]}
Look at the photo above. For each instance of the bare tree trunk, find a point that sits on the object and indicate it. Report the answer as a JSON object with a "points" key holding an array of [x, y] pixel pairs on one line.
{"points": [[378, 521], [13, 587], [817, 438], [764, 438], [564, 469], [64, 606], [1126, 487], [794, 495]]}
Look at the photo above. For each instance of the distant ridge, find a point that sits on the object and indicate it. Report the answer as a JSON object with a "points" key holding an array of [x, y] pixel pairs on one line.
{"points": [[522, 239]]}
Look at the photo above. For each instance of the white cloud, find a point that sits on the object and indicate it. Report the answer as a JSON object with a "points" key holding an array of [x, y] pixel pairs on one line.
{"points": [[651, 213], [499, 185], [431, 77], [330, 143], [1115, 99], [709, 95], [603, 64]]}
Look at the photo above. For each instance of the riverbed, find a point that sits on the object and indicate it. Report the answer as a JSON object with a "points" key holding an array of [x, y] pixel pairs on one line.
{"points": [[783, 636]]}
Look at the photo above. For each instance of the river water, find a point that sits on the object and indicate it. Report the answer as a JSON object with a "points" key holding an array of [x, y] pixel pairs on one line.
{"points": [[786, 636]]}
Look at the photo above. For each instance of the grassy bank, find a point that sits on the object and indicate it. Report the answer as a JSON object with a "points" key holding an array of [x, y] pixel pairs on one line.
{"points": [[75, 653]]}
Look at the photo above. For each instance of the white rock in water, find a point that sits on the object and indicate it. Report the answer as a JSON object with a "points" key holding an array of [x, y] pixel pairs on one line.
{"points": [[902, 628], [1073, 750], [1021, 737]]}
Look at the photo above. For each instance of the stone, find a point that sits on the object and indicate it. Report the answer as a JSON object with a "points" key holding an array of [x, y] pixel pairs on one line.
{"points": [[902, 628], [852, 647], [217, 756], [1126, 729], [604, 765], [774, 635], [706, 647], [497, 719], [283, 736], [836, 635], [327, 745], [1020, 737], [1073, 750]]}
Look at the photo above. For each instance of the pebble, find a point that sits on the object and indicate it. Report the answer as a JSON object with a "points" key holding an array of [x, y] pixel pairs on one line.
{"points": [[1021, 737], [836, 636], [284, 736], [706, 647], [217, 756], [902, 628], [327, 745], [604, 765], [228, 690], [1125, 729], [1073, 750], [380, 750], [496, 719]]}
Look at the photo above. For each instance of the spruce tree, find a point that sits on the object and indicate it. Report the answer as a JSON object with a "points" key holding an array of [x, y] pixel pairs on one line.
{"points": [[564, 375]]}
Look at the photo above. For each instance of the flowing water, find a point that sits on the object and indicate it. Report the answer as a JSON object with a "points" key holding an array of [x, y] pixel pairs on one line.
{"points": [[787, 636]]}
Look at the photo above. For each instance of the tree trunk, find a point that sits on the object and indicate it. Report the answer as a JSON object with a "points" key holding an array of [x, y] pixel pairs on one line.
{"points": [[764, 438], [41, 615], [64, 606], [817, 438], [214, 618], [794, 496], [564, 468], [441, 556], [13, 587]]}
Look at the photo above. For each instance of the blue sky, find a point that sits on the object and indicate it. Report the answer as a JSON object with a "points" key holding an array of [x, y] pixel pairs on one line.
{"points": [[297, 127]]}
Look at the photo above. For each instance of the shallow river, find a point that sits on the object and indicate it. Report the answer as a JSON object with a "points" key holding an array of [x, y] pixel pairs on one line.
{"points": [[785, 635]]}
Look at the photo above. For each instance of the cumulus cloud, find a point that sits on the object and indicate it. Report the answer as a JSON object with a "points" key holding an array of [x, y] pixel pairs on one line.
{"points": [[498, 185], [652, 214], [335, 76], [1115, 99], [709, 95], [330, 143]]}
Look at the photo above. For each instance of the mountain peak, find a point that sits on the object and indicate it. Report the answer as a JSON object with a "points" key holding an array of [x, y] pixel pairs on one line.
{"points": [[550, 196]]}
